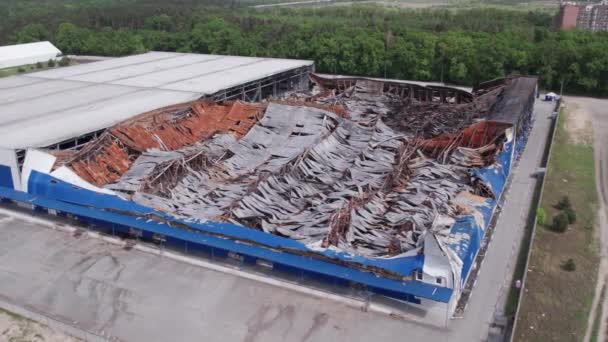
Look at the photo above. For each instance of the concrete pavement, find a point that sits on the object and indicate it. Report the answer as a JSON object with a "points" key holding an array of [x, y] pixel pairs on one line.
{"points": [[135, 296], [495, 278]]}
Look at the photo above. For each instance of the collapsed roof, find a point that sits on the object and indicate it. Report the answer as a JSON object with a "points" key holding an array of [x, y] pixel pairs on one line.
{"points": [[362, 166]]}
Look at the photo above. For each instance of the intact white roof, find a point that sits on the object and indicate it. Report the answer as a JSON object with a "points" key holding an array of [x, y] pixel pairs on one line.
{"points": [[47, 107], [11, 55], [203, 74]]}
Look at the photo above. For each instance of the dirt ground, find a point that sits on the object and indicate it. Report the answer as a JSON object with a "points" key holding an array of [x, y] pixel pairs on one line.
{"points": [[596, 112], [580, 123], [411, 3], [556, 303], [18, 329], [543, 5]]}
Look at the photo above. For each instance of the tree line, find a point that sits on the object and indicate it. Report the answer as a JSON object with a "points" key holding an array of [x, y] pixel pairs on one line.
{"points": [[462, 47]]}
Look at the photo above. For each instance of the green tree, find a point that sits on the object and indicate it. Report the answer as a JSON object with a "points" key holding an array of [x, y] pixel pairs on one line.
{"points": [[464, 46], [109, 42], [325, 51], [560, 222], [31, 33], [564, 203], [403, 59], [567, 62], [71, 39], [569, 265], [456, 52], [368, 54], [541, 216], [161, 22], [217, 36], [64, 62], [571, 214]]}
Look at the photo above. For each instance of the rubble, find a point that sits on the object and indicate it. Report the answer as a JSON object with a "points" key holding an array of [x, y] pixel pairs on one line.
{"points": [[109, 157], [362, 166]]}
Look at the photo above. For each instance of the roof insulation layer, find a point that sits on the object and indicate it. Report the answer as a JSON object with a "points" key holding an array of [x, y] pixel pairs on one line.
{"points": [[24, 54], [47, 107]]}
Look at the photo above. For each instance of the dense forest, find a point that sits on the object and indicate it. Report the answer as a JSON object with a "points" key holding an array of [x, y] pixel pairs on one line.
{"points": [[456, 46]]}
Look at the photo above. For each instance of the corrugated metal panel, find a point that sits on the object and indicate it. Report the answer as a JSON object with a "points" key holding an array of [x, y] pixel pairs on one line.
{"points": [[57, 117], [6, 177], [47, 107]]}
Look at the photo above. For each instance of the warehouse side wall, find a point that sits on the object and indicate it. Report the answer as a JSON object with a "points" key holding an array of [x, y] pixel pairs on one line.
{"points": [[28, 60], [9, 170]]}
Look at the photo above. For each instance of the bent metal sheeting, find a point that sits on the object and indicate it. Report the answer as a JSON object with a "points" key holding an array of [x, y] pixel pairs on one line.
{"points": [[361, 173], [170, 128]]}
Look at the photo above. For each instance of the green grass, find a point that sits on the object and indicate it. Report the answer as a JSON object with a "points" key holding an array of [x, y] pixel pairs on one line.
{"points": [[9, 72], [598, 316], [27, 69], [556, 303]]}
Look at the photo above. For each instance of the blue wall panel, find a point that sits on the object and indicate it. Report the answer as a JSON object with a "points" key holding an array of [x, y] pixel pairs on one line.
{"points": [[215, 239], [221, 246], [6, 177], [466, 227], [52, 188]]}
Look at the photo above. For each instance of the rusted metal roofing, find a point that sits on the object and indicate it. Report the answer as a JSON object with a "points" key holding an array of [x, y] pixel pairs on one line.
{"points": [[357, 165], [474, 136], [108, 158]]}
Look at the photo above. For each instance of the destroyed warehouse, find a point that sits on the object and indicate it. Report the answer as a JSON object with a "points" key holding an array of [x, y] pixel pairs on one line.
{"points": [[383, 184]]}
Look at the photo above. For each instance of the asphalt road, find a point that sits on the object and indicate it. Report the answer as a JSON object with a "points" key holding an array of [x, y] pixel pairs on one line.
{"points": [[135, 296]]}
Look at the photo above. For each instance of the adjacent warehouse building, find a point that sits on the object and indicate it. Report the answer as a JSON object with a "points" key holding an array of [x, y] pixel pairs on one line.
{"points": [[388, 187], [24, 54]]}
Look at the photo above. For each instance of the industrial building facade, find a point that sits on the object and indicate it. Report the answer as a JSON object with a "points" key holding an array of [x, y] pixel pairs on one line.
{"points": [[590, 16], [25, 54], [384, 186]]}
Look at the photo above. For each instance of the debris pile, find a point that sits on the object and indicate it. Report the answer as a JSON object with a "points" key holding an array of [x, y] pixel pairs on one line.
{"points": [[106, 159], [361, 166]]}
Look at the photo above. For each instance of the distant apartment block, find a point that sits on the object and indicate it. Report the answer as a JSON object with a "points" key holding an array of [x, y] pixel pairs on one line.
{"points": [[591, 16]]}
